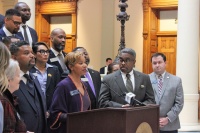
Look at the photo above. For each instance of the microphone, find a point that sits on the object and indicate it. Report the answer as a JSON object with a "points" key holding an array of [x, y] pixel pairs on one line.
{"points": [[130, 98]]}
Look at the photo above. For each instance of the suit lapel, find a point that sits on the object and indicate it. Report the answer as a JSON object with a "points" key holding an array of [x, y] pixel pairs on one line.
{"points": [[119, 81], [137, 81], [48, 77], [93, 79], [155, 86], [24, 89], [56, 63]]}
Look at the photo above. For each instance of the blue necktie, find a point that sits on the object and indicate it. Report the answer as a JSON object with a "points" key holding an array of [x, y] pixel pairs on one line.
{"points": [[90, 82]]}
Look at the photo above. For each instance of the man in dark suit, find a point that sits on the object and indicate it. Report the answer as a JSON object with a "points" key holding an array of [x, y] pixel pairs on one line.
{"points": [[94, 87], [12, 23], [31, 101], [1, 21], [56, 53], [27, 33], [125, 80], [104, 69], [168, 92]]}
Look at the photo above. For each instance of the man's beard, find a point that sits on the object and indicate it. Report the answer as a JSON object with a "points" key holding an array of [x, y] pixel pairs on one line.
{"points": [[59, 47]]}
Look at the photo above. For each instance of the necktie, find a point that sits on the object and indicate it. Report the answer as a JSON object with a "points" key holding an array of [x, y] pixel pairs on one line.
{"points": [[25, 33], [129, 85], [29, 83], [62, 63], [90, 83], [160, 84]]}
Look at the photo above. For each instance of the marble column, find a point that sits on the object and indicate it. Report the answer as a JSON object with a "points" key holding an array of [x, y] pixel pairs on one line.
{"points": [[31, 4], [188, 60]]}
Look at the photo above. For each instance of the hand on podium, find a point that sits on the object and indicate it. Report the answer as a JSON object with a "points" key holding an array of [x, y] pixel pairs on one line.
{"points": [[126, 105]]}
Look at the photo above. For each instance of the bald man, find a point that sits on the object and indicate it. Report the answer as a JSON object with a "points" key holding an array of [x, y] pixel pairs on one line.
{"points": [[27, 33], [56, 54]]}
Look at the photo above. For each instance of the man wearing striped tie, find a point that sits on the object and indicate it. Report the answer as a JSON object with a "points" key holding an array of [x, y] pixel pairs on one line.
{"points": [[168, 93]]}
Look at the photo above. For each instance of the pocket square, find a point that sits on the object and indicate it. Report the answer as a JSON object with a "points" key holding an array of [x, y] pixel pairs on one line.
{"points": [[142, 86], [49, 75]]}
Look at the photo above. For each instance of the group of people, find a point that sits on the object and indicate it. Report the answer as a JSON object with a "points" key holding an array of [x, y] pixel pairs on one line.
{"points": [[39, 85]]}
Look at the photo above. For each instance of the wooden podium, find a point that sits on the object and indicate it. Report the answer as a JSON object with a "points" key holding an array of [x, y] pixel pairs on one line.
{"points": [[115, 120]]}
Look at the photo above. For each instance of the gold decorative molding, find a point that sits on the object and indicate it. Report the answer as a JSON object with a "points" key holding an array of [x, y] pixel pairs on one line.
{"points": [[58, 8], [166, 33]]}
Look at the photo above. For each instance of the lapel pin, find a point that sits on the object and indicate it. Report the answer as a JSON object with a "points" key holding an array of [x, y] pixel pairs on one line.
{"points": [[142, 86]]}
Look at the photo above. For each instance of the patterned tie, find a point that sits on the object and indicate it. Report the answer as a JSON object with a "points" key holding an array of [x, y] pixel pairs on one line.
{"points": [[90, 83], [160, 84], [25, 33], [129, 85]]}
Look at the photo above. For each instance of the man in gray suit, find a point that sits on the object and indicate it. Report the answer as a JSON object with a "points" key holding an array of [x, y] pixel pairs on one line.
{"points": [[114, 86], [168, 92]]}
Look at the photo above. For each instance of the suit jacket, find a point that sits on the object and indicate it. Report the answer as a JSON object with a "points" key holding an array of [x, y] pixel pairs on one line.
{"points": [[27, 109], [114, 82], [3, 34], [1, 21], [96, 78], [102, 70], [171, 99], [53, 77], [33, 35], [56, 63]]}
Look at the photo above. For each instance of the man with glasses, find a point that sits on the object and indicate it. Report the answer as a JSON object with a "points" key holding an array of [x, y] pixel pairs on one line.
{"points": [[115, 85], [26, 32], [12, 23]]}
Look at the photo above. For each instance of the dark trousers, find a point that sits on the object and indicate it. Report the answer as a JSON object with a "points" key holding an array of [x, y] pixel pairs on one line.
{"points": [[174, 131]]}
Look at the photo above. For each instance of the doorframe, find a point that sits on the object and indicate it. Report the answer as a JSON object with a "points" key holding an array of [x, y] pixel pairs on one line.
{"points": [[50, 8], [151, 27]]}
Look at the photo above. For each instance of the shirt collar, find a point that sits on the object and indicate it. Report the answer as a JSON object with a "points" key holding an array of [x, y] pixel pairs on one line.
{"points": [[163, 74], [55, 52], [131, 73], [8, 33], [47, 66], [22, 73]]}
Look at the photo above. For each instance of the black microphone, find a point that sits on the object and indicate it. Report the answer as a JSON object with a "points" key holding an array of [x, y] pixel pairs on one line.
{"points": [[130, 98], [121, 96]]}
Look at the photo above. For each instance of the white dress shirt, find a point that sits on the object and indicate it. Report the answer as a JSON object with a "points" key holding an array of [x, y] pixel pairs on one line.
{"points": [[132, 78], [28, 33]]}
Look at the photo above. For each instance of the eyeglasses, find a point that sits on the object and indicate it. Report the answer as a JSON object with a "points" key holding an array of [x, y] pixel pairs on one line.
{"points": [[43, 51], [15, 22], [127, 60]]}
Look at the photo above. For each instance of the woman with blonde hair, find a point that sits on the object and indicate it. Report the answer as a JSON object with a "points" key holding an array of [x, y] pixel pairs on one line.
{"points": [[12, 120], [70, 94], [4, 62]]}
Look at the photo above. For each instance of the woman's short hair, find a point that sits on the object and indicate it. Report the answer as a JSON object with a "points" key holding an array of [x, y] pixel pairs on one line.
{"points": [[72, 58], [11, 69], [4, 62], [37, 44]]}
